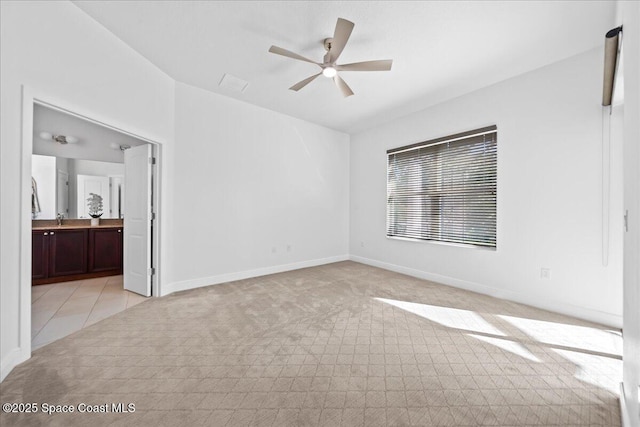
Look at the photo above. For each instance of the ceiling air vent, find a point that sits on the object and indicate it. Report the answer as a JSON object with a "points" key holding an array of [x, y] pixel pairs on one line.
{"points": [[233, 83]]}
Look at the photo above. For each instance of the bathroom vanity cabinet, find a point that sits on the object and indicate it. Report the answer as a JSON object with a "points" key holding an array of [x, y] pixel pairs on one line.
{"points": [[67, 253]]}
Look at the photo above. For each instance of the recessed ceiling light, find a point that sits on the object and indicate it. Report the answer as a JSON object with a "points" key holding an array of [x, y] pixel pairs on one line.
{"points": [[233, 83]]}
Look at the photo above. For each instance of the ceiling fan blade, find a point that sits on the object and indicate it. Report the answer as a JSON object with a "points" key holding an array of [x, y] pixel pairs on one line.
{"points": [[284, 52], [340, 37], [379, 65], [344, 87], [304, 82]]}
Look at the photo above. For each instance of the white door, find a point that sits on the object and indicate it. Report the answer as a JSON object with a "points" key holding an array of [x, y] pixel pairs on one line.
{"points": [[88, 184], [137, 221], [116, 183], [62, 186]]}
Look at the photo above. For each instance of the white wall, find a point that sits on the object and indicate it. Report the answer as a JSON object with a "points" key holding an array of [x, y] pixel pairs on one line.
{"points": [[631, 351], [549, 193], [92, 167], [43, 171], [55, 49], [255, 191]]}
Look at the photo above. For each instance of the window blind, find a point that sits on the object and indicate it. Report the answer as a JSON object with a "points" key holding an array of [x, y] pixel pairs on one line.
{"points": [[445, 189]]}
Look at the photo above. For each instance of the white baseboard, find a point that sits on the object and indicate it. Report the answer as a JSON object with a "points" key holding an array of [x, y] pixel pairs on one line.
{"points": [[10, 361], [591, 315], [240, 275]]}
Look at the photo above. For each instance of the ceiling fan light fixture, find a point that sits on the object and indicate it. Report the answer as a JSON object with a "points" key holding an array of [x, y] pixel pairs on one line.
{"points": [[329, 72]]}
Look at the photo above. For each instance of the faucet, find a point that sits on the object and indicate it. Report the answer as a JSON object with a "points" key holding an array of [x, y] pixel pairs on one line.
{"points": [[60, 217]]}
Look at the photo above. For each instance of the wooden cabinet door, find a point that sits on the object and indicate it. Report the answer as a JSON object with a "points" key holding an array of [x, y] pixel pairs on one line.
{"points": [[105, 250], [67, 252], [39, 254]]}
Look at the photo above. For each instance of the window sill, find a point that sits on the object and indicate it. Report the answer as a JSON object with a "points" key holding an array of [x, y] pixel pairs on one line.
{"points": [[438, 243]]}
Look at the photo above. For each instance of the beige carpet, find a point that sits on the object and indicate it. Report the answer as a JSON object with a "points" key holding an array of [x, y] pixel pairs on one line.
{"points": [[341, 344]]}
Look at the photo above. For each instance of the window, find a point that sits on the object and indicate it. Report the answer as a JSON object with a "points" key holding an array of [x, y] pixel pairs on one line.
{"points": [[445, 189]]}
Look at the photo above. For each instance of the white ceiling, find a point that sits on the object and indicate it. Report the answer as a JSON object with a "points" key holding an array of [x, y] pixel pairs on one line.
{"points": [[94, 141], [440, 49]]}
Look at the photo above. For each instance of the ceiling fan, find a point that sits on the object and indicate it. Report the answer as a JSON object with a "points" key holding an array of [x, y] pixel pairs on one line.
{"points": [[334, 47]]}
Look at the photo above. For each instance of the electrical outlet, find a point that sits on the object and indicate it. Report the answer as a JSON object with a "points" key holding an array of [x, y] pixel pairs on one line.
{"points": [[288, 248], [274, 250], [362, 244], [545, 273]]}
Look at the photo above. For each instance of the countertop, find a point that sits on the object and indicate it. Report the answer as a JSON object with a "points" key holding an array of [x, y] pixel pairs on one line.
{"points": [[72, 227], [77, 223]]}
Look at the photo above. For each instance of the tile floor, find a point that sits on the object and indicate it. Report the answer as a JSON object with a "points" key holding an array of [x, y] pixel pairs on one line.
{"points": [[60, 309]]}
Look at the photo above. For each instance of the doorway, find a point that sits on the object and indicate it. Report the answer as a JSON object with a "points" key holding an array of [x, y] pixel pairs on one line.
{"points": [[65, 203]]}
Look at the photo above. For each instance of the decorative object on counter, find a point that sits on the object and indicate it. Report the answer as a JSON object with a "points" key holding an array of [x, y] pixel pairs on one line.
{"points": [[95, 208]]}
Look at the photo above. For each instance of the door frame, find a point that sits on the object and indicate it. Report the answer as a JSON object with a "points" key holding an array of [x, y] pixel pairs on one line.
{"points": [[31, 97]]}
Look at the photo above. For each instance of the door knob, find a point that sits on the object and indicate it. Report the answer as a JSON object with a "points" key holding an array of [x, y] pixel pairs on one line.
{"points": [[52, 233], [46, 234]]}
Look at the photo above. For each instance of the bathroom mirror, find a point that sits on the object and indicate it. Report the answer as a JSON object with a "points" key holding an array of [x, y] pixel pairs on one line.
{"points": [[62, 185]]}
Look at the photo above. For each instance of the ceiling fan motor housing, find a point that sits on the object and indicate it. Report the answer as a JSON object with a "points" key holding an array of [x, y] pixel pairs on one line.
{"points": [[327, 43]]}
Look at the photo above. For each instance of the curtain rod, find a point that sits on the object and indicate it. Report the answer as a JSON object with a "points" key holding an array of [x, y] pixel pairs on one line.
{"points": [[610, 60]]}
